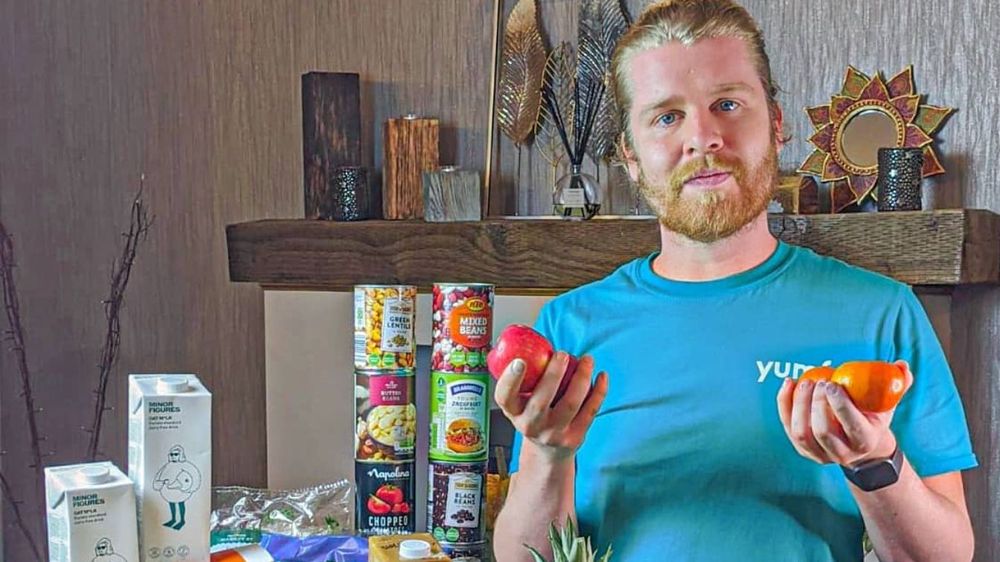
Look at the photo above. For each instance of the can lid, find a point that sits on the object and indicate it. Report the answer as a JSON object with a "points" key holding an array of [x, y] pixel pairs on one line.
{"points": [[172, 384], [413, 549], [94, 474]]}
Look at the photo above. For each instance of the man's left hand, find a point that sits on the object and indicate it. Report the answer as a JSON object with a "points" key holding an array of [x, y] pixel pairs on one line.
{"points": [[824, 425]]}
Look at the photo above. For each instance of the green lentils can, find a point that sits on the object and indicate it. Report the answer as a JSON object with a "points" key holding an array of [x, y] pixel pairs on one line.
{"points": [[384, 318], [459, 414]]}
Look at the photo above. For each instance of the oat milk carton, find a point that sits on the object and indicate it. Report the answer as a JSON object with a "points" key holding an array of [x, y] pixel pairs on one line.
{"points": [[91, 514], [170, 461]]}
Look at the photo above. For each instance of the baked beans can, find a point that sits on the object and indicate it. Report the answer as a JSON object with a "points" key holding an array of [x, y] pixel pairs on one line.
{"points": [[459, 414], [385, 416], [456, 501], [462, 326], [384, 318], [386, 493], [474, 552]]}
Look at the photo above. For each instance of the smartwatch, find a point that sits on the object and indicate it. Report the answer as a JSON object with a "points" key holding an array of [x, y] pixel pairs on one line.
{"points": [[877, 474]]}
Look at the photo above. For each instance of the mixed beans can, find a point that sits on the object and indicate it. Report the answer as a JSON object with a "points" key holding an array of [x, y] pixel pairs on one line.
{"points": [[385, 419], [459, 416], [462, 326], [384, 318], [386, 493], [455, 501]]}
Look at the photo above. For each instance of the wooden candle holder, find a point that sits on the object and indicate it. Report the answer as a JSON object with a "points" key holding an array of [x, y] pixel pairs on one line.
{"points": [[411, 148]]}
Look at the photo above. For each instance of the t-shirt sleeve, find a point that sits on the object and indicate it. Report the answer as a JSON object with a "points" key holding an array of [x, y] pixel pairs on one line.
{"points": [[543, 324], [929, 422]]}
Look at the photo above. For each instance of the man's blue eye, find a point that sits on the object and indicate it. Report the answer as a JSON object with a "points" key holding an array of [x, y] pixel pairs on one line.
{"points": [[667, 119], [727, 105]]}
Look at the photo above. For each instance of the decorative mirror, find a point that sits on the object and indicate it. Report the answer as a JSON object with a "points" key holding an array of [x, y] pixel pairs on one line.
{"points": [[867, 114]]}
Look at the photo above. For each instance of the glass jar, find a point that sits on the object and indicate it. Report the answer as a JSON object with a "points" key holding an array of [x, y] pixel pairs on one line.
{"points": [[577, 195]]}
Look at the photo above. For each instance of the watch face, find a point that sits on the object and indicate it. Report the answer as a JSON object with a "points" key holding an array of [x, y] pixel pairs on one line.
{"points": [[876, 476]]}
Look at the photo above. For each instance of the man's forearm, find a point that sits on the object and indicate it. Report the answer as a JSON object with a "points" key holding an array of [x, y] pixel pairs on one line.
{"points": [[910, 521], [540, 492]]}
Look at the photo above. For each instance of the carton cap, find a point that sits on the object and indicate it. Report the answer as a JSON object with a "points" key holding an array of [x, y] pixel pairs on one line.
{"points": [[94, 474], [172, 384], [414, 549]]}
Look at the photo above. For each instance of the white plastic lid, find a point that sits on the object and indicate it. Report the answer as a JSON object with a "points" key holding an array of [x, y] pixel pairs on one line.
{"points": [[172, 384], [413, 549], [94, 474]]}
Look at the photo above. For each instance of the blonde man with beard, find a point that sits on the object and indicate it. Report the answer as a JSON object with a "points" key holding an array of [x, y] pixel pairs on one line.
{"points": [[693, 442]]}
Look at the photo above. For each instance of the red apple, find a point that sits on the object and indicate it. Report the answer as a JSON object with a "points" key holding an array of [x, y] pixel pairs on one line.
{"points": [[518, 341]]}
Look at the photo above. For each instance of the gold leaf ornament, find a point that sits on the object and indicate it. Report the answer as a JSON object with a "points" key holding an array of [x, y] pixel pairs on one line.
{"points": [[522, 69]]}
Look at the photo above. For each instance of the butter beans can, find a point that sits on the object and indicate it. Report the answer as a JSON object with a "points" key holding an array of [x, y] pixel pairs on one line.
{"points": [[455, 501], [462, 326], [386, 493], [384, 326], [385, 419], [459, 414]]}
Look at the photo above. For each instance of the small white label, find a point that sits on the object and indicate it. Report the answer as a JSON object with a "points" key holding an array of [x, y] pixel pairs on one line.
{"points": [[397, 325], [464, 494], [574, 197]]}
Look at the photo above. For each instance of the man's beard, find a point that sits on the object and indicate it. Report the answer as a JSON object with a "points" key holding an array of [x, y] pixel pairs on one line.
{"points": [[713, 215]]}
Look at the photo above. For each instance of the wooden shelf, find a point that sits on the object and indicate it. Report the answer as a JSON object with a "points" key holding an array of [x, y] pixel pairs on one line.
{"points": [[941, 248]]}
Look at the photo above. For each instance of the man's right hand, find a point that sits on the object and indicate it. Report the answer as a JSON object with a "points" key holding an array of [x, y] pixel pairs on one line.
{"points": [[557, 430]]}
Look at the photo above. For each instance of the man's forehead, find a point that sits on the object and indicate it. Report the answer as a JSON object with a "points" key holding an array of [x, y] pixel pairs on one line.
{"points": [[705, 66]]}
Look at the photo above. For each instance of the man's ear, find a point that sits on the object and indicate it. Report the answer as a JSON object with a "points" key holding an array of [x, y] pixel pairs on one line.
{"points": [[779, 126], [629, 158]]}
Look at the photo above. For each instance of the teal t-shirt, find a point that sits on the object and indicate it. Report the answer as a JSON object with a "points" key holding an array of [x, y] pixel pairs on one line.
{"points": [[687, 459]]}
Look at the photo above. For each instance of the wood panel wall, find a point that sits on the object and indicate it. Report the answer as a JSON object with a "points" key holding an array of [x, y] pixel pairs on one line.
{"points": [[202, 98]]}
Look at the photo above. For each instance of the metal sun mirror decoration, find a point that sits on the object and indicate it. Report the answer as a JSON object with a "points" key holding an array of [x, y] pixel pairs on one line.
{"points": [[559, 100], [873, 143]]}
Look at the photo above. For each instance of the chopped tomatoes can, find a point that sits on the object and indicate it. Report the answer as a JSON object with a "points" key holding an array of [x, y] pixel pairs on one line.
{"points": [[386, 493]]}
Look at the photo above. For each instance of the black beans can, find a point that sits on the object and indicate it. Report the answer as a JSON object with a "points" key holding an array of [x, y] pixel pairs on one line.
{"points": [[386, 493], [456, 495], [474, 552]]}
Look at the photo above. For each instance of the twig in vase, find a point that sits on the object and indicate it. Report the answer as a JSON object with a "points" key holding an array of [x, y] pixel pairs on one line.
{"points": [[121, 270]]}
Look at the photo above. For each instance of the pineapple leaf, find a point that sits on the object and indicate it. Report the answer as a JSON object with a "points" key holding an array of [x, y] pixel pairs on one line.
{"points": [[535, 555]]}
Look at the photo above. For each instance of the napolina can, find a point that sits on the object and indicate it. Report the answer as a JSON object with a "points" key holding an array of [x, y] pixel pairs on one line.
{"points": [[462, 326], [384, 326], [386, 493]]}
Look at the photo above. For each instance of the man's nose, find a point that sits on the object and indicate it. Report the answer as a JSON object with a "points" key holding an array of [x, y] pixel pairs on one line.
{"points": [[704, 134]]}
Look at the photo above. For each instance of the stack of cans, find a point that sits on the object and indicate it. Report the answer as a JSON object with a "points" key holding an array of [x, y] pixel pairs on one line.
{"points": [[385, 414], [459, 414]]}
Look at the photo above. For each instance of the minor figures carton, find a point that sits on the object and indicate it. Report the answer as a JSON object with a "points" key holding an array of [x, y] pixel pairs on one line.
{"points": [[170, 461], [91, 514]]}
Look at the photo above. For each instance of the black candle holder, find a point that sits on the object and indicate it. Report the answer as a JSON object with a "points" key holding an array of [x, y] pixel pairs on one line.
{"points": [[350, 195], [899, 177]]}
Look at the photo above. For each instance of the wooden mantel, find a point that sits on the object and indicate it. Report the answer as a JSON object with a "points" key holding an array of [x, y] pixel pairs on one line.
{"points": [[931, 249]]}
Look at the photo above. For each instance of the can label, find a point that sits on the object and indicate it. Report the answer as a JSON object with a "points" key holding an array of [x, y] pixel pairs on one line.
{"points": [[455, 501], [476, 552], [385, 418], [462, 327], [385, 495], [384, 326], [459, 416]]}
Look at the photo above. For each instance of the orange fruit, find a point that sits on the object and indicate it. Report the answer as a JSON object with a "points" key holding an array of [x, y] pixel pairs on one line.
{"points": [[874, 386], [817, 374]]}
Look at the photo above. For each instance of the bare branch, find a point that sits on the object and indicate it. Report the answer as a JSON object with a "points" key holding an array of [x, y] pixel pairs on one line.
{"points": [[121, 270], [19, 520]]}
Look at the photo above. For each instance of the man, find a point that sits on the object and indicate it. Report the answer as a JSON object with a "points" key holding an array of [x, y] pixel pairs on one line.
{"points": [[699, 446]]}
